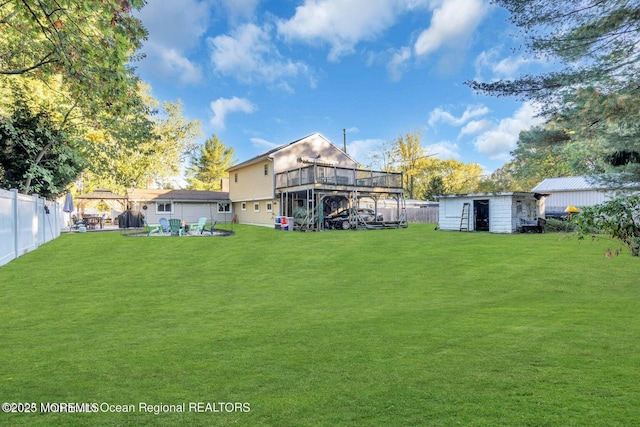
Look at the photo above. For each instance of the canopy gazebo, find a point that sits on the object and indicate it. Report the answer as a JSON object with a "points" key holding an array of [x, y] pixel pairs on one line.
{"points": [[116, 202]]}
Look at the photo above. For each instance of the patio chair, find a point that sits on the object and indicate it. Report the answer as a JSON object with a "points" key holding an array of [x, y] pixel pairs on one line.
{"points": [[199, 228], [164, 226], [175, 227], [152, 229]]}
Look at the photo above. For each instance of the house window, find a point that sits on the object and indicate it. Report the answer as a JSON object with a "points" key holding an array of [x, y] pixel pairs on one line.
{"points": [[266, 170], [224, 207], [164, 207], [269, 207], [235, 177], [256, 207], [244, 206]]}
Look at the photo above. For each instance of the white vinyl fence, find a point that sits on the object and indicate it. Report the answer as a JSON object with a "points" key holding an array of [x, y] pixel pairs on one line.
{"points": [[25, 223]]}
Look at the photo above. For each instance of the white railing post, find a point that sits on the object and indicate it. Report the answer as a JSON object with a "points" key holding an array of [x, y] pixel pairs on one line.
{"points": [[16, 222]]}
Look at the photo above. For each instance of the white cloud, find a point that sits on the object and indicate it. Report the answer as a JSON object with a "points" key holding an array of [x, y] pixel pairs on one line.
{"points": [[259, 142], [166, 21], [174, 64], [505, 68], [365, 150], [452, 21], [249, 55], [475, 126], [472, 111], [443, 150], [340, 23], [397, 64], [498, 142], [222, 106], [168, 44], [239, 9]]}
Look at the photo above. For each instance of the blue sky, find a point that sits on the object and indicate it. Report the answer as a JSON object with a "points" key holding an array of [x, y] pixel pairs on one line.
{"points": [[262, 73]]}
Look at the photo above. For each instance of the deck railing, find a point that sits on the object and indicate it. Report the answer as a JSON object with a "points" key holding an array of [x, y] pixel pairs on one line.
{"points": [[331, 175]]}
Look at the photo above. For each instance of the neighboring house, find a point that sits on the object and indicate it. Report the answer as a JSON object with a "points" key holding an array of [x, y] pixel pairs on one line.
{"points": [[578, 191], [187, 205], [493, 212], [306, 179]]}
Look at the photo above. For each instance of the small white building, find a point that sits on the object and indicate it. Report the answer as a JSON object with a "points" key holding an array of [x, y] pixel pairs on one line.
{"points": [[493, 212]]}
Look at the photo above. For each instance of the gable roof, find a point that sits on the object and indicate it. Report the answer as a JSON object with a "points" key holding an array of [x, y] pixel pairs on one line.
{"points": [[177, 195], [268, 155]]}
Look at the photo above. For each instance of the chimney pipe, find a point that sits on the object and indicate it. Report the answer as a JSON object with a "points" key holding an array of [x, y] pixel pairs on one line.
{"points": [[344, 139]]}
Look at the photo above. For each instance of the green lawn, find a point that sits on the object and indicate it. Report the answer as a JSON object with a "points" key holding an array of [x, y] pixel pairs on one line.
{"points": [[409, 327]]}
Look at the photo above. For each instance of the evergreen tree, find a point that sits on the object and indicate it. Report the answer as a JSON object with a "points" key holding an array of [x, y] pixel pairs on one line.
{"points": [[209, 168], [594, 98]]}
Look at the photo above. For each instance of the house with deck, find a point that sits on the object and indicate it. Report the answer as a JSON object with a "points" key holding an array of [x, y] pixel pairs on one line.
{"points": [[306, 180]]}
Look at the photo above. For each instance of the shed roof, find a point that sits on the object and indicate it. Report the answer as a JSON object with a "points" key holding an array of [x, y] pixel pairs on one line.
{"points": [[497, 194], [177, 195], [570, 183]]}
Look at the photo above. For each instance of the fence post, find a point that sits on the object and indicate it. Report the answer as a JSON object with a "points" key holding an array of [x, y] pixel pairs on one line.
{"points": [[16, 221]]}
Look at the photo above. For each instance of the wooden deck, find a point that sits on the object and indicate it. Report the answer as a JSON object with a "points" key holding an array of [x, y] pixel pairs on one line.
{"points": [[339, 180]]}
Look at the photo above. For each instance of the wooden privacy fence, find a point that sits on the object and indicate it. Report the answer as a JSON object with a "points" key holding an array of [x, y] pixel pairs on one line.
{"points": [[417, 215], [26, 222]]}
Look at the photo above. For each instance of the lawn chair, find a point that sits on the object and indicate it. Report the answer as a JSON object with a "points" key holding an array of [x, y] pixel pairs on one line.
{"points": [[199, 228], [164, 226], [150, 230], [210, 230], [175, 227]]}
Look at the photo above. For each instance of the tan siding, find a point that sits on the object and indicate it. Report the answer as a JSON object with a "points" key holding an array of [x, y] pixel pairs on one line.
{"points": [[252, 183], [249, 216]]}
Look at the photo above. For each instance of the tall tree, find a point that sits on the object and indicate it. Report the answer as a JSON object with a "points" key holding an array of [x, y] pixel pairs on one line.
{"points": [[408, 150], [448, 176], [209, 167], [138, 159], [500, 180], [594, 95]]}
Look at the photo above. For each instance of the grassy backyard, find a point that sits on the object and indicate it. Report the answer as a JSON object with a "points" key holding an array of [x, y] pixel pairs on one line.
{"points": [[409, 327]]}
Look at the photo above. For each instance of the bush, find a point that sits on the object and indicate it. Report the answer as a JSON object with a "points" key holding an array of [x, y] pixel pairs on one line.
{"points": [[559, 226], [618, 218]]}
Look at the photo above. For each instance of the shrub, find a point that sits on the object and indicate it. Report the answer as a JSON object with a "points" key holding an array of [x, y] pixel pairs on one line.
{"points": [[618, 218], [559, 226]]}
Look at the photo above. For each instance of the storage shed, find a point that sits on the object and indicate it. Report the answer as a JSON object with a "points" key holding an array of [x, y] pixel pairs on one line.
{"points": [[494, 212]]}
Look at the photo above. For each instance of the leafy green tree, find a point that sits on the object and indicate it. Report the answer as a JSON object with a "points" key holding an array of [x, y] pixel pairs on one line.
{"points": [[618, 218], [36, 157], [209, 168], [408, 150], [425, 176], [501, 180], [131, 159], [448, 176], [89, 44]]}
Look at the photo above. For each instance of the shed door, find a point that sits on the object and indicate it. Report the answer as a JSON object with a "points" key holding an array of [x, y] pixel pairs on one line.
{"points": [[481, 215]]}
